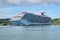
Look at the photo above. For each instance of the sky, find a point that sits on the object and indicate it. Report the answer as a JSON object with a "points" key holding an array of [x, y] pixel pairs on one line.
{"points": [[10, 8]]}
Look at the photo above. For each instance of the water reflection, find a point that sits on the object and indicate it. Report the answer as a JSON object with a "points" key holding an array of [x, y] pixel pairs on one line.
{"points": [[29, 32], [37, 28]]}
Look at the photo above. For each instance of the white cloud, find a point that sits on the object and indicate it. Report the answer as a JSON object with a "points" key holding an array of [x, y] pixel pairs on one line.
{"points": [[28, 2], [14, 1], [34, 1], [7, 12]]}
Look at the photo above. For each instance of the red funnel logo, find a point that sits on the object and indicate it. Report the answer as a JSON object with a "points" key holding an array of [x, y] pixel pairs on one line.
{"points": [[42, 13]]}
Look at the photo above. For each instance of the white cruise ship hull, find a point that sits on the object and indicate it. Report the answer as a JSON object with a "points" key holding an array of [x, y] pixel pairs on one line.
{"points": [[18, 23], [30, 19]]}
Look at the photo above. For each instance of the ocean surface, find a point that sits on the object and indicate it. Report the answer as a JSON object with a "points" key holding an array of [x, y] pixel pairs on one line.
{"points": [[30, 32]]}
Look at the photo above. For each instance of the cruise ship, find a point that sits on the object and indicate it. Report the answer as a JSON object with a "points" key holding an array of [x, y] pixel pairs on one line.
{"points": [[26, 18]]}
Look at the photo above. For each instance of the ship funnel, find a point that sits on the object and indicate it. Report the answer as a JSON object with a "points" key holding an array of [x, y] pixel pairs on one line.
{"points": [[42, 13]]}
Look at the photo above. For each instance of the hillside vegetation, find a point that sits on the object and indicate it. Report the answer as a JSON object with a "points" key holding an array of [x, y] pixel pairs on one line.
{"points": [[56, 21], [5, 22]]}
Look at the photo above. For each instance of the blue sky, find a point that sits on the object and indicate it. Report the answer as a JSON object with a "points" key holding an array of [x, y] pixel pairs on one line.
{"points": [[11, 8]]}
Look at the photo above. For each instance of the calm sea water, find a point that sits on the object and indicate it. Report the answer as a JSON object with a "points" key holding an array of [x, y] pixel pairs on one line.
{"points": [[29, 32]]}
